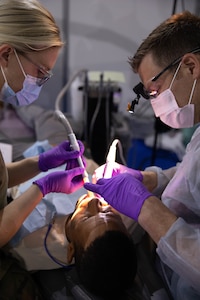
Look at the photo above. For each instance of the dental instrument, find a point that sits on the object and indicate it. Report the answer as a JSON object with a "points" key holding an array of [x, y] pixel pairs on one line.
{"points": [[110, 159], [62, 118], [73, 141]]}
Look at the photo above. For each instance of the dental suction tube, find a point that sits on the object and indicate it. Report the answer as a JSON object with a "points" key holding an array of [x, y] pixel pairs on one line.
{"points": [[61, 117], [73, 141]]}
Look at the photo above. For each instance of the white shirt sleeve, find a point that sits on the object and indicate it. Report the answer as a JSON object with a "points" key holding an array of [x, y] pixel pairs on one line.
{"points": [[163, 177], [179, 249]]}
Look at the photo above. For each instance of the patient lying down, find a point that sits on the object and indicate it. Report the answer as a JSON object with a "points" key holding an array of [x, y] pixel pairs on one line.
{"points": [[95, 238]]}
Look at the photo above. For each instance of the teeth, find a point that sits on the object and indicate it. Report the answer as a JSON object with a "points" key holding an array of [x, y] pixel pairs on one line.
{"points": [[104, 217], [103, 201]]}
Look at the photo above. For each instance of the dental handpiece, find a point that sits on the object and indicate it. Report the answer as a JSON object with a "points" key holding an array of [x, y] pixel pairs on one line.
{"points": [[73, 144]]}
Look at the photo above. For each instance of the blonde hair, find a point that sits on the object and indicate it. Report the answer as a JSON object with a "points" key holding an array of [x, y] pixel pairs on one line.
{"points": [[27, 26]]}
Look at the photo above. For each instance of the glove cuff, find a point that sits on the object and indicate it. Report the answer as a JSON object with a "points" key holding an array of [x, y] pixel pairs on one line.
{"points": [[139, 175], [41, 163], [137, 209], [40, 185]]}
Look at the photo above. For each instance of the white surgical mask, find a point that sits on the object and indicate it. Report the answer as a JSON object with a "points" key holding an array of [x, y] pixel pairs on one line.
{"points": [[28, 94], [166, 108]]}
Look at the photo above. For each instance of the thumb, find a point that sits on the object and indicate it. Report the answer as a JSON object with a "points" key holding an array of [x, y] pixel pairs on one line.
{"points": [[91, 187]]}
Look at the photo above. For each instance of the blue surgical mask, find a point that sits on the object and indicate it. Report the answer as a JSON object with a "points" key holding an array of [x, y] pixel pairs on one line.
{"points": [[28, 94]]}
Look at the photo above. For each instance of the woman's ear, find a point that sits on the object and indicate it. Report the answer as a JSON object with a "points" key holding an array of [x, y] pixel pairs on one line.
{"points": [[70, 252], [5, 51]]}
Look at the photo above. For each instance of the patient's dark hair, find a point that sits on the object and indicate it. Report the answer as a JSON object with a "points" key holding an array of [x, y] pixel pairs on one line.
{"points": [[108, 266]]}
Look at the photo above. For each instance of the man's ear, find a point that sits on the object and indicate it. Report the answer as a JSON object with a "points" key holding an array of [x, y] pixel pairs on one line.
{"points": [[70, 252], [5, 51], [192, 63]]}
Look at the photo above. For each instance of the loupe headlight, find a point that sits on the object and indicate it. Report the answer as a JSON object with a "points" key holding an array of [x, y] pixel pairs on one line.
{"points": [[140, 91]]}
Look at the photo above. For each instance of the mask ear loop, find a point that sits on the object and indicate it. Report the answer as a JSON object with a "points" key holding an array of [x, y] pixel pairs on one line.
{"points": [[192, 91], [193, 87], [4, 76], [175, 75], [19, 62]]}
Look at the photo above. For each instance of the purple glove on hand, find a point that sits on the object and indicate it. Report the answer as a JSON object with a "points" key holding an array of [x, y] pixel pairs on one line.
{"points": [[60, 155], [123, 192], [117, 169], [61, 181]]}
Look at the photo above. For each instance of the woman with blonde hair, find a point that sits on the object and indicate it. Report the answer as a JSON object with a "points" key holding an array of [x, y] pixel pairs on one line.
{"points": [[29, 47]]}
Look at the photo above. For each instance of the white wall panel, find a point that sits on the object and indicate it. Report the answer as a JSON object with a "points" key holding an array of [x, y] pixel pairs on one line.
{"points": [[51, 89], [102, 35]]}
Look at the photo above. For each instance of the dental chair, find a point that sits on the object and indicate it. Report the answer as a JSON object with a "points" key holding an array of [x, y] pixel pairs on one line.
{"points": [[148, 284], [61, 284]]}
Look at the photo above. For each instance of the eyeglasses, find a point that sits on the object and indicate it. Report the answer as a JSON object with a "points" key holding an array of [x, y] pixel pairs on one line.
{"points": [[47, 74], [140, 90]]}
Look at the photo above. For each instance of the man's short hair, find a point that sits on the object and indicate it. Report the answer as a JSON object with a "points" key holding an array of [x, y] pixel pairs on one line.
{"points": [[108, 266], [173, 38]]}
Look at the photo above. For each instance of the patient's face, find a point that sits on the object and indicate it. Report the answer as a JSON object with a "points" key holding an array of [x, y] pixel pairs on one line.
{"points": [[91, 218]]}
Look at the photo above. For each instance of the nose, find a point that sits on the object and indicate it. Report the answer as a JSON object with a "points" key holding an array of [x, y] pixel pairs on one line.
{"points": [[95, 206]]}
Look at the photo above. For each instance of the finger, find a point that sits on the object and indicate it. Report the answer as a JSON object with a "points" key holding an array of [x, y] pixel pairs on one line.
{"points": [[75, 172], [65, 146], [72, 154], [81, 146], [102, 181], [71, 164], [92, 187], [84, 161]]}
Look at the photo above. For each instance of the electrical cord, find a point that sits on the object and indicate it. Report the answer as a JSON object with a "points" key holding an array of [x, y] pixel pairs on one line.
{"points": [[66, 87], [175, 5], [107, 112], [57, 261], [97, 109]]}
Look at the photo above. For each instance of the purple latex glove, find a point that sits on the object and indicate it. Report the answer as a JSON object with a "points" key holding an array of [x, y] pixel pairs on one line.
{"points": [[117, 169], [61, 181], [123, 192], [60, 155]]}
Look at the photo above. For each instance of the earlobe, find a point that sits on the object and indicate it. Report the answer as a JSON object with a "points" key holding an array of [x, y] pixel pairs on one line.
{"points": [[196, 70], [70, 252]]}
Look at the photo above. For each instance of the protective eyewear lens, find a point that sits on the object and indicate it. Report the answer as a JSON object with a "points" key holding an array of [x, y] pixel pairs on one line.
{"points": [[47, 75]]}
